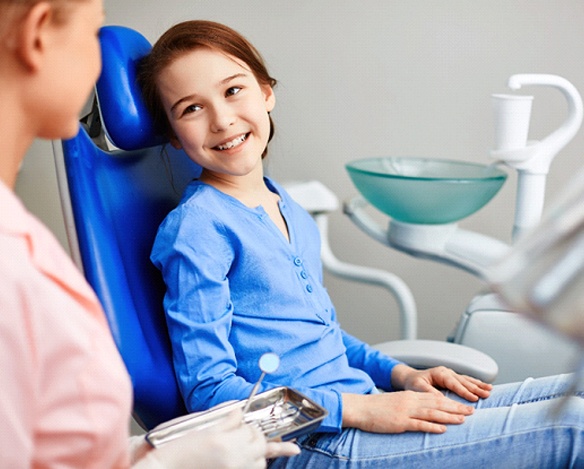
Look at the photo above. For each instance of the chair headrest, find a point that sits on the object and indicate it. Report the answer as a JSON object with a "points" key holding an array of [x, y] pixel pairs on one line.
{"points": [[124, 115]]}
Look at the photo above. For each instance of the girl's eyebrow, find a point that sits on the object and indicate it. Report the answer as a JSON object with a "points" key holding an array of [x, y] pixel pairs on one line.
{"points": [[221, 83], [233, 77]]}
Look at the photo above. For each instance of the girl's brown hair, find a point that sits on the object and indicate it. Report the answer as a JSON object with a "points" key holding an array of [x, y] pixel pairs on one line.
{"points": [[186, 37]]}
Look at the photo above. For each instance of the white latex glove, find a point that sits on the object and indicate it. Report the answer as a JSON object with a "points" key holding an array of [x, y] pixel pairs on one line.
{"points": [[230, 444]]}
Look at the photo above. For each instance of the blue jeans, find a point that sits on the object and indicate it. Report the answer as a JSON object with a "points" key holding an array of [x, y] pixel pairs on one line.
{"points": [[518, 426]]}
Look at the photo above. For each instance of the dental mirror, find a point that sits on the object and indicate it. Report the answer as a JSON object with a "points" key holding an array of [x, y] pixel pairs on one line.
{"points": [[268, 363]]}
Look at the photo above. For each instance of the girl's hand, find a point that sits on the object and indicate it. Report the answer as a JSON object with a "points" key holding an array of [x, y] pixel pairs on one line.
{"points": [[471, 389], [402, 411]]}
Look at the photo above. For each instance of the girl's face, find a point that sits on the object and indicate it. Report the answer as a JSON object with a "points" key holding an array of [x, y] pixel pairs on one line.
{"points": [[217, 110]]}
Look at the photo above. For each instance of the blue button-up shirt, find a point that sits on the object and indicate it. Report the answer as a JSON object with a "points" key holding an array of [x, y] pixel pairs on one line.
{"points": [[237, 288]]}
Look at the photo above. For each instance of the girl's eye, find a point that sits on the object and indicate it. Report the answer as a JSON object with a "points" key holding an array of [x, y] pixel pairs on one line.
{"points": [[191, 109], [233, 91]]}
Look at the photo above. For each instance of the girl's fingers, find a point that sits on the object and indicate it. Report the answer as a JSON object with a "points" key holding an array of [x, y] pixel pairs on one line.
{"points": [[479, 385], [425, 427], [438, 408], [435, 420], [466, 387], [474, 390], [442, 416]]}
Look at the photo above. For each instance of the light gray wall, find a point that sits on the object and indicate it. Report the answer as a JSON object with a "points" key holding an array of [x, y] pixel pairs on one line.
{"points": [[374, 78]]}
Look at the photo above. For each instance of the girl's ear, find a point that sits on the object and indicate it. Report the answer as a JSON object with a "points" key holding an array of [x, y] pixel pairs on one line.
{"points": [[269, 96], [31, 40]]}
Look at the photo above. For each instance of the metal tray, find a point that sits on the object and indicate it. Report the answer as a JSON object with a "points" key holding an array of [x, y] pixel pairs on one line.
{"points": [[281, 413]]}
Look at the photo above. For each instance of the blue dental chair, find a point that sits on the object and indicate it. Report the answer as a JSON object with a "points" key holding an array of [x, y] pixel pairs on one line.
{"points": [[113, 205], [118, 180]]}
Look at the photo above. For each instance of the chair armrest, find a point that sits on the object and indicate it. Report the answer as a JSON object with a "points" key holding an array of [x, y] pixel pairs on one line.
{"points": [[429, 353]]}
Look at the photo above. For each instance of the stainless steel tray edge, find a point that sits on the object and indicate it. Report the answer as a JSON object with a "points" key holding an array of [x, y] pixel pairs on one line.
{"points": [[282, 413]]}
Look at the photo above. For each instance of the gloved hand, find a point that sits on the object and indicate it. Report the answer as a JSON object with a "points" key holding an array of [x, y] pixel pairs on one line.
{"points": [[230, 444]]}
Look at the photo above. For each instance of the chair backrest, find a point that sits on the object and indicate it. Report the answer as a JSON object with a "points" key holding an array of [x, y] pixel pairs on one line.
{"points": [[118, 198]]}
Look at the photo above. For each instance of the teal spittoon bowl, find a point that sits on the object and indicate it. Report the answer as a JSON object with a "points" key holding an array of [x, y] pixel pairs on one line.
{"points": [[425, 190]]}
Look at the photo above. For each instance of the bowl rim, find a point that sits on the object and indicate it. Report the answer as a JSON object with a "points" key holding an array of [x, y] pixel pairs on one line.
{"points": [[498, 174]]}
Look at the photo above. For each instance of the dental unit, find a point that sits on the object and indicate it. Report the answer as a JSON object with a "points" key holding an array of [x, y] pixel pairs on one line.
{"points": [[426, 198]]}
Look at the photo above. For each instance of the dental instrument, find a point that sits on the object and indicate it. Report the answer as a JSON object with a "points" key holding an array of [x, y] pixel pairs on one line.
{"points": [[268, 363]]}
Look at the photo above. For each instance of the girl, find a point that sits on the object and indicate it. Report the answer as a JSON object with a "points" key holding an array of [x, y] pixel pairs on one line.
{"points": [[242, 268], [66, 397]]}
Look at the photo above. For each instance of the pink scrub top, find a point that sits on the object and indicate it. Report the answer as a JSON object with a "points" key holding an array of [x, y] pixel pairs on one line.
{"points": [[65, 396]]}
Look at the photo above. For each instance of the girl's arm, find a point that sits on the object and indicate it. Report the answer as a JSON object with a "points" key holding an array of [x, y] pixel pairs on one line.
{"points": [[375, 363], [194, 259], [402, 377]]}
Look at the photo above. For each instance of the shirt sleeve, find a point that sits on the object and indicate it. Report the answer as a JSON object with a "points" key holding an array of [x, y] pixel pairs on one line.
{"points": [[198, 307], [375, 363]]}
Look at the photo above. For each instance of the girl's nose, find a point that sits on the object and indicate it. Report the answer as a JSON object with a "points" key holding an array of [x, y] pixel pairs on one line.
{"points": [[222, 118]]}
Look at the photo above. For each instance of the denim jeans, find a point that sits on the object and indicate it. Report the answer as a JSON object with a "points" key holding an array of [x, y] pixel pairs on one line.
{"points": [[519, 426]]}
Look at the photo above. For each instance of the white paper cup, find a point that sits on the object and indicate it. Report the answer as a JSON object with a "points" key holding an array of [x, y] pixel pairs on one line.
{"points": [[512, 114]]}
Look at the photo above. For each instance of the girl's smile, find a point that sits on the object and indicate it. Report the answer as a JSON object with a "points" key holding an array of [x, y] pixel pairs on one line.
{"points": [[236, 142], [218, 112]]}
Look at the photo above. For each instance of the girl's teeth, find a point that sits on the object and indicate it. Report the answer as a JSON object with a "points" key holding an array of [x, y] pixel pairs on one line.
{"points": [[236, 141]]}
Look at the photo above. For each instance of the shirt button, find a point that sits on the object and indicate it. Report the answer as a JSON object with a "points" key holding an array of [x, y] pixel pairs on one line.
{"points": [[309, 288], [297, 261], [304, 275]]}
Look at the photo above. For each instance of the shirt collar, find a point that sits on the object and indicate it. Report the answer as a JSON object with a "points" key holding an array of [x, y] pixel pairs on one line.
{"points": [[44, 250]]}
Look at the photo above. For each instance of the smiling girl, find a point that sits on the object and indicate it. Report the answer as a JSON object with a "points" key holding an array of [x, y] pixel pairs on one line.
{"points": [[241, 261]]}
